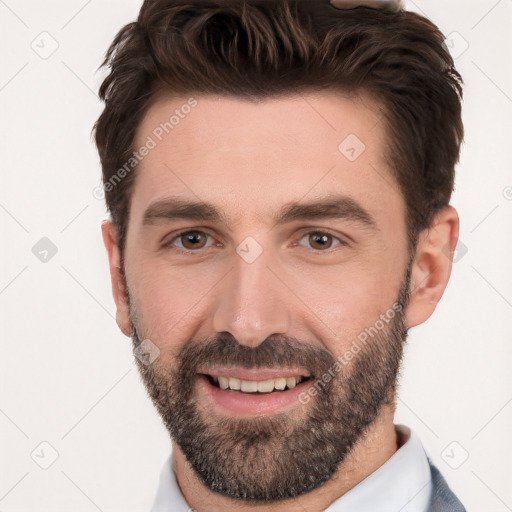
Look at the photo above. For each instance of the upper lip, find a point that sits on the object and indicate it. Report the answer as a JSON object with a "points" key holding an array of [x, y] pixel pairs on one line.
{"points": [[255, 373]]}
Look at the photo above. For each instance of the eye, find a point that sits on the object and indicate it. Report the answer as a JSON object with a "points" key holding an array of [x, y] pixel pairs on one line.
{"points": [[194, 240], [321, 240], [189, 241]]}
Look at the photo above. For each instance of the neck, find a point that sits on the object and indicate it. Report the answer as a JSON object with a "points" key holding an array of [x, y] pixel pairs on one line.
{"points": [[369, 454]]}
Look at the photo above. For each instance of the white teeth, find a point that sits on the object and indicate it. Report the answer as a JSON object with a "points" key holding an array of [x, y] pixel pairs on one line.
{"points": [[252, 386], [280, 383], [249, 386], [234, 383], [265, 386], [291, 382], [223, 382]]}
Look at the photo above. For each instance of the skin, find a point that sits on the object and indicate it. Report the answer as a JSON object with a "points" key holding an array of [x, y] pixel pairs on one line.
{"points": [[250, 159]]}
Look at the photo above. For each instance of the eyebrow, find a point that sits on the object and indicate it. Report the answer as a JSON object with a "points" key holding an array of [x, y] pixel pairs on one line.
{"points": [[331, 207]]}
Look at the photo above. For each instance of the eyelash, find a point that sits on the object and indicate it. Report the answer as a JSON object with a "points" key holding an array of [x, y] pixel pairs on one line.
{"points": [[170, 243]]}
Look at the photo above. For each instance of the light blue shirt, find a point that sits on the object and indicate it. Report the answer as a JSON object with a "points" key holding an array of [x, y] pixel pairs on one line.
{"points": [[401, 484]]}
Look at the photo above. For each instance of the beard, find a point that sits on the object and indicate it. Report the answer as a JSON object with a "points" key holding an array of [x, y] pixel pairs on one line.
{"points": [[266, 458]]}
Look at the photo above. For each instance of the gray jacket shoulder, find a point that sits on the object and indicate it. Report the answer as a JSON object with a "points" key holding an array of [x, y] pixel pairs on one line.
{"points": [[442, 498]]}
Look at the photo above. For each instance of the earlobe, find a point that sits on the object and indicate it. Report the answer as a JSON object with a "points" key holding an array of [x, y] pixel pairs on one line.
{"points": [[432, 265], [117, 277]]}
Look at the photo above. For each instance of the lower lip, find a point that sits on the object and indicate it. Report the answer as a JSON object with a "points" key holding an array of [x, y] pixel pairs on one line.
{"points": [[249, 404]]}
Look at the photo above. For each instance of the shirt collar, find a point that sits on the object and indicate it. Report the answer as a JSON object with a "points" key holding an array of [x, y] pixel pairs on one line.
{"points": [[401, 484]]}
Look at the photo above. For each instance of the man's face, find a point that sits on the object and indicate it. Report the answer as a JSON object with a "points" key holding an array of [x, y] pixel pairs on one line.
{"points": [[268, 290]]}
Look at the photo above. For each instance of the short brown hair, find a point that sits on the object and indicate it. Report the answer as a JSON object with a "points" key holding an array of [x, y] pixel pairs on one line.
{"points": [[258, 49]]}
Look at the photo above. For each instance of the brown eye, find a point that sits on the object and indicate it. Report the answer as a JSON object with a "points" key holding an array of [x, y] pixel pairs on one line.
{"points": [[192, 240], [321, 241]]}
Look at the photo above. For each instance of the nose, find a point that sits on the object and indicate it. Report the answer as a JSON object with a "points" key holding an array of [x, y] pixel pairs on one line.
{"points": [[252, 302]]}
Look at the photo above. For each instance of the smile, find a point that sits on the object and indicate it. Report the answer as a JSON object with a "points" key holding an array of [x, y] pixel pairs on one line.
{"points": [[255, 386], [269, 391]]}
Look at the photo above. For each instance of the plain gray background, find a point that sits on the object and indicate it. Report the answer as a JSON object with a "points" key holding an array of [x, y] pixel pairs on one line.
{"points": [[68, 378]]}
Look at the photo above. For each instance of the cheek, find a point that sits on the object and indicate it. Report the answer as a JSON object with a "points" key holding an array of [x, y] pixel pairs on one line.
{"points": [[170, 299], [348, 301]]}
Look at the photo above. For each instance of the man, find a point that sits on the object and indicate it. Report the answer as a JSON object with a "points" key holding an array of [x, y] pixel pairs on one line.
{"points": [[279, 176]]}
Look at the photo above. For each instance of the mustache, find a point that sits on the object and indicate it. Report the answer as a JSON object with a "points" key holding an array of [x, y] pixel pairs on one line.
{"points": [[274, 352]]}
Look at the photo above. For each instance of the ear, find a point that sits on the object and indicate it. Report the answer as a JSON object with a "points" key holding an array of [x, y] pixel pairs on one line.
{"points": [[117, 277], [432, 265]]}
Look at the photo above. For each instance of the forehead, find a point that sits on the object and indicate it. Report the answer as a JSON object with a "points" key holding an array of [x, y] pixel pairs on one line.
{"points": [[250, 157]]}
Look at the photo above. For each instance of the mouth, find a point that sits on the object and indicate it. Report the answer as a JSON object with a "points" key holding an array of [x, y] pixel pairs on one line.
{"points": [[272, 391], [266, 386]]}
